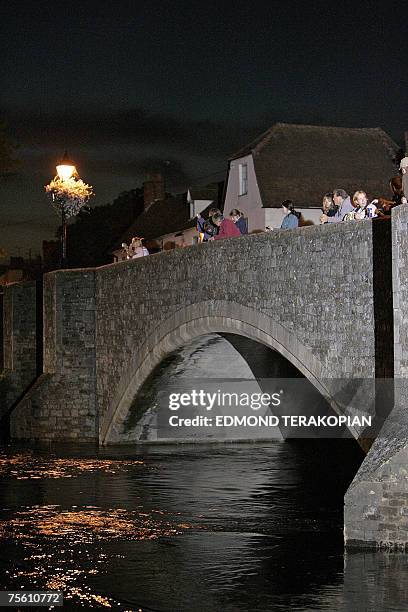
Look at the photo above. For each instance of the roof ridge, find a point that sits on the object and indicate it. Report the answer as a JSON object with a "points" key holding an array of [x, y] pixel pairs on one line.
{"points": [[258, 143], [250, 146], [330, 127]]}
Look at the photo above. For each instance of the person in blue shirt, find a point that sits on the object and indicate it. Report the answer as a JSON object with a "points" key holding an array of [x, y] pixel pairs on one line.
{"points": [[291, 218], [238, 218]]}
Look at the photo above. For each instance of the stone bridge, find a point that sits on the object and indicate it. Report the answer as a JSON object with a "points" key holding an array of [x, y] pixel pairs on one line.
{"points": [[330, 299]]}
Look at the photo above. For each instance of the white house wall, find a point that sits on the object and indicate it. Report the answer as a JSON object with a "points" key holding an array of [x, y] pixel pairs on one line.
{"points": [[197, 206], [188, 237], [250, 203], [274, 216], [311, 215]]}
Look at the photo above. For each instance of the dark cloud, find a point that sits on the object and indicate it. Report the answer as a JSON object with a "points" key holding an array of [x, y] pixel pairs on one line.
{"points": [[138, 127]]}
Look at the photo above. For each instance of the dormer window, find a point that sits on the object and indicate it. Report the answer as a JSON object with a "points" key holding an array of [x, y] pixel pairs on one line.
{"points": [[243, 179]]}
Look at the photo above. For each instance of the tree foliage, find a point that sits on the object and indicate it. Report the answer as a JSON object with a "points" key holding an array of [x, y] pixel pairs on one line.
{"points": [[90, 238]]}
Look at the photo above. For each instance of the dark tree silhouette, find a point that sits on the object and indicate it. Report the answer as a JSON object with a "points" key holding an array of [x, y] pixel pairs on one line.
{"points": [[90, 238]]}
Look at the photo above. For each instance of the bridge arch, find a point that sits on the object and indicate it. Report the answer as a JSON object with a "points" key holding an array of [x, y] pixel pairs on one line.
{"points": [[197, 320]]}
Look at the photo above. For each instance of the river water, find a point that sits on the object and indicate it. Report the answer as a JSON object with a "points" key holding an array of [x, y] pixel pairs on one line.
{"points": [[190, 528], [210, 527]]}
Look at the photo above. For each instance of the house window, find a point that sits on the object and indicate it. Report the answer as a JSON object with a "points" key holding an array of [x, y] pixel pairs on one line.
{"points": [[243, 179]]}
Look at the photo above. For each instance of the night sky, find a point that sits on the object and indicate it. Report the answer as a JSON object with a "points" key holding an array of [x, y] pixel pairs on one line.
{"points": [[132, 86]]}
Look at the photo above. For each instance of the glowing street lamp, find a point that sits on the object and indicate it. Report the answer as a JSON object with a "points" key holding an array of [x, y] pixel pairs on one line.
{"points": [[69, 194], [66, 168]]}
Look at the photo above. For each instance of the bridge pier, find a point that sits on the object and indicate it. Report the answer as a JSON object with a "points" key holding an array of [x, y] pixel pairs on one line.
{"points": [[19, 343], [376, 503], [62, 403]]}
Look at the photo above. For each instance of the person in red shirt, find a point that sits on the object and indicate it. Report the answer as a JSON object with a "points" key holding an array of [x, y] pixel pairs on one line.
{"points": [[227, 228]]}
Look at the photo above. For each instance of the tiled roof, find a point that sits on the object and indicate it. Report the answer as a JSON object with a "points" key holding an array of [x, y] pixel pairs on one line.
{"points": [[167, 216], [162, 217], [302, 162]]}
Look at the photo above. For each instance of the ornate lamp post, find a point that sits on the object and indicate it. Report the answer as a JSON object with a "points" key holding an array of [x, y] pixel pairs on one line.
{"points": [[65, 171], [68, 194]]}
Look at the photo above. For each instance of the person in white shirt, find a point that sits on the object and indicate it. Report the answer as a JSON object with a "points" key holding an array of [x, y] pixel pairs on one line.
{"points": [[362, 209], [135, 248]]}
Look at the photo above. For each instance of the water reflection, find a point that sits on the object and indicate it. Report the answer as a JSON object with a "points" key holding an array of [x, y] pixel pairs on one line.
{"points": [[87, 525], [238, 528], [27, 465], [243, 527], [73, 540]]}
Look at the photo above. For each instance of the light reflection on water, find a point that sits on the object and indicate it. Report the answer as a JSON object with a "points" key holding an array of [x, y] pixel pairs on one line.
{"points": [[79, 530], [190, 529], [26, 465], [86, 525]]}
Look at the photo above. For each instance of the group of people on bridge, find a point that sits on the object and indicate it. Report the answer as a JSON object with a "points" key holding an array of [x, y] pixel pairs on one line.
{"points": [[217, 226], [337, 206]]}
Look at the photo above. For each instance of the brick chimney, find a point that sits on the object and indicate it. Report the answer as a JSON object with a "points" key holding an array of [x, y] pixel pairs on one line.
{"points": [[153, 189]]}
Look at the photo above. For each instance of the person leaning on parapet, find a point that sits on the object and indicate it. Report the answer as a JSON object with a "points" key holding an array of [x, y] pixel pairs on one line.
{"points": [[384, 205], [342, 200], [362, 208], [135, 248], [226, 227], [328, 206], [404, 172], [206, 227], [238, 218], [291, 218]]}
